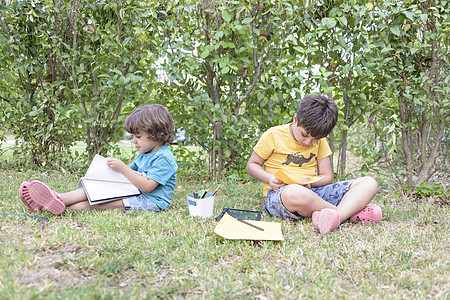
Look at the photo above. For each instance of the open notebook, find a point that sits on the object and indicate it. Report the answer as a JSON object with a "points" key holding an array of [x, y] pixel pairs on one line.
{"points": [[102, 184]]}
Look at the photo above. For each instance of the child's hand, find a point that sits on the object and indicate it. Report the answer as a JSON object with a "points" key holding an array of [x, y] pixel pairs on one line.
{"points": [[306, 185], [275, 183], [116, 164]]}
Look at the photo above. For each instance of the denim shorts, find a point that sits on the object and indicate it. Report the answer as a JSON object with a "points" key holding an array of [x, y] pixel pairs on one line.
{"points": [[331, 193], [140, 202]]}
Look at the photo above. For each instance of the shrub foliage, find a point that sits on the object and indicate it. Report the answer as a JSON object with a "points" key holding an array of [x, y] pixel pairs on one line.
{"points": [[228, 70]]}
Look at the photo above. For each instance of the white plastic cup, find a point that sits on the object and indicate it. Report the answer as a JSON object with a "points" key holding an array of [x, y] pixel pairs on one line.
{"points": [[202, 207]]}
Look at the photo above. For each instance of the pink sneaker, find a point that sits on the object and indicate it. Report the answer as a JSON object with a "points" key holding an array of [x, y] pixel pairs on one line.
{"points": [[370, 213], [315, 219], [26, 199], [42, 195], [326, 220]]}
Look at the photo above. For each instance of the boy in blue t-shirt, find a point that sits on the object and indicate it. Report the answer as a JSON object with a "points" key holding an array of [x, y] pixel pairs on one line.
{"points": [[153, 171]]}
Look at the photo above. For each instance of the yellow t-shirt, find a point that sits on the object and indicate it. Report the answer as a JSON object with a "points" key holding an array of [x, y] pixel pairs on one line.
{"points": [[281, 150]]}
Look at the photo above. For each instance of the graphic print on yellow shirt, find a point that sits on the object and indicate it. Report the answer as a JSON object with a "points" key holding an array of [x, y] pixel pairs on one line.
{"points": [[280, 150], [298, 159]]}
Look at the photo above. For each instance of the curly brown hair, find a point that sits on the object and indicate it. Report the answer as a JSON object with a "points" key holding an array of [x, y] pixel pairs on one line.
{"points": [[153, 119], [317, 114]]}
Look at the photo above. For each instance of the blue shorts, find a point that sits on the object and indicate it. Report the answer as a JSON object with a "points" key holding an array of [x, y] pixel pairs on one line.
{"points": [[140, 202], [332, 193]]}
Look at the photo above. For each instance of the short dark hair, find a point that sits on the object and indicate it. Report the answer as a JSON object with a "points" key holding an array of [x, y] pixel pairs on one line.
{"points": [[153, 119], [317, 114]]}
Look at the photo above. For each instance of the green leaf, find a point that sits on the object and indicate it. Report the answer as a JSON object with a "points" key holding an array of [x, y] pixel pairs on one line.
{"points": [[328, 22], [343, 20], [424, 18], [116, 71], [346, 69], [219, 34], [226, 16], [205, 53], [342, 42], [414, 50], [395, 30], [311, 49], [386, 49]]}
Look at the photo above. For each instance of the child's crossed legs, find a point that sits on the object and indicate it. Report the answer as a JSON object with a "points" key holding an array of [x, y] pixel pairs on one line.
{"points": [[339, 201]]}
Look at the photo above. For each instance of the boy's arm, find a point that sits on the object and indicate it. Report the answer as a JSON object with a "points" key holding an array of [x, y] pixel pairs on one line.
{"points": [[141, 182], [324, 169], [254, 168]]}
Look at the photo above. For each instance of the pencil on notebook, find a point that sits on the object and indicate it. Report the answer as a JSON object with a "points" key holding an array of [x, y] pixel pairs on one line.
{"points": [[250, 224]]}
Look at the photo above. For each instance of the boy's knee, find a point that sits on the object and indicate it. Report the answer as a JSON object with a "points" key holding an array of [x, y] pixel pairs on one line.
{"points": [[293, 196], [368, 182]]}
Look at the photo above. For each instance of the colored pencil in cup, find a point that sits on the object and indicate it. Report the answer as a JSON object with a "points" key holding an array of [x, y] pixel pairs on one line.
{"points": [[215, 191], [205, 193]]}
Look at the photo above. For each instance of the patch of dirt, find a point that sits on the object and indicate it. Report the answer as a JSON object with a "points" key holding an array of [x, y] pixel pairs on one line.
{"points": [[39, 276], [9, 228], [50, 268]]}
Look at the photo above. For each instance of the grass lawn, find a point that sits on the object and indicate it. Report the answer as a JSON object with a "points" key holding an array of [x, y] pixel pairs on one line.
{"points": [[115, 255]]}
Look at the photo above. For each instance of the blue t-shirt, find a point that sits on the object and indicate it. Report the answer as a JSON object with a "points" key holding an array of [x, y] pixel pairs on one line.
{"points": [[161, 167]]}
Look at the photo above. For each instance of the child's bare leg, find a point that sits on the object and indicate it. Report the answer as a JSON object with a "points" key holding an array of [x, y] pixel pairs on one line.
{"points": [[78, 200], [302, 200], [359, 195], [83, 205], [73, 197]]}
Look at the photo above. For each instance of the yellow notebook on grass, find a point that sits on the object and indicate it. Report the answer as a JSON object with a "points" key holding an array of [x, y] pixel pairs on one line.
{"points": [[236, 229]]}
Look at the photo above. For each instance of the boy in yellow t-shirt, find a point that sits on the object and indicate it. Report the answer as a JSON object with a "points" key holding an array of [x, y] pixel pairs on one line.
{"points": [[301, 150]]}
